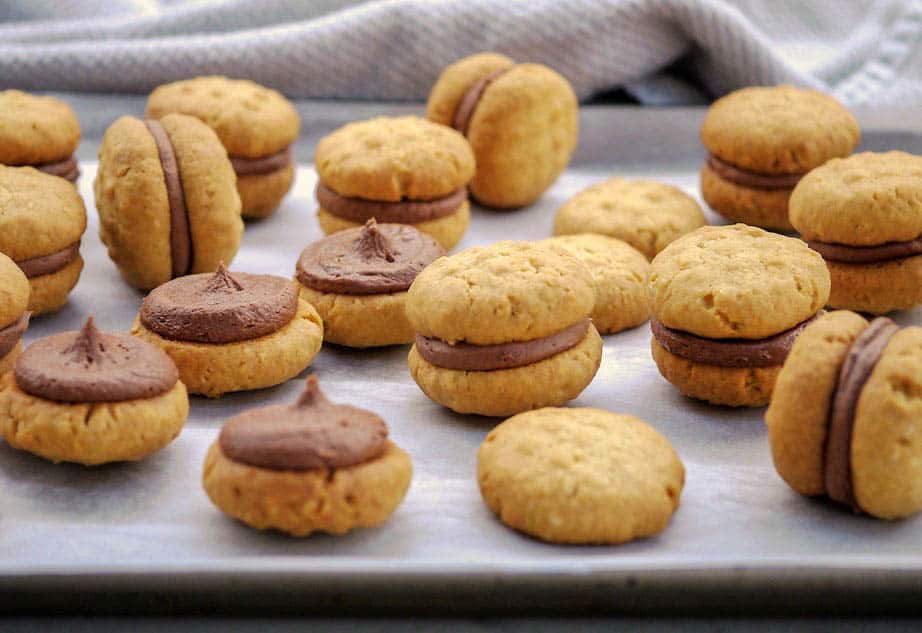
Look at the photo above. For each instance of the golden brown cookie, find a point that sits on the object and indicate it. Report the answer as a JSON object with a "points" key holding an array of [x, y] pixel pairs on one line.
{"points": [[646, 214], [521, 120], [580, 476], [14, 317], [40, 132], [42, 219]]}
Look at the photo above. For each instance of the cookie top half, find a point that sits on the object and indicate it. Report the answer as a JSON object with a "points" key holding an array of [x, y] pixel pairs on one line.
{"points": [[36, 130], [510, 291], [864, 200], [394, 158], [778, 129], [737, 281], [14, 291], [251, 120]]}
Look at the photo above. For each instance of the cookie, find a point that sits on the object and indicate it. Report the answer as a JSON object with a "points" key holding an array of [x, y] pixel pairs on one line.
{"points": [[845, 421], [92, 397], [313, 465], [863, 214], [728, 302], [402, 170], [231, 332], [646, 214], [620, 278], [14, 315], [580, 476], [503, 329], [521, 121], [39, 132], [256, 125], [358, 279], [42, 219], [761, 141], [167, 201]]}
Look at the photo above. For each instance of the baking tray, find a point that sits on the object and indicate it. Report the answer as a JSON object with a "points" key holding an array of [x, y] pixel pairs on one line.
{"points": [[144, 536]]}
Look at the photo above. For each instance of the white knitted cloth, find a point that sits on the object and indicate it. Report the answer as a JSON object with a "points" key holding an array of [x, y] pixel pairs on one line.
{"points": [[861, 51]]}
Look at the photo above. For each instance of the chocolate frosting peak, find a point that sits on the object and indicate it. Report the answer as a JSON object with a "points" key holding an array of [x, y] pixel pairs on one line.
{"points": [[373, 244], [88, 347], [223, 281]]}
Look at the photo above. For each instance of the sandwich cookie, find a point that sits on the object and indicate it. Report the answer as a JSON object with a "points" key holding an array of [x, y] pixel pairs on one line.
{"points": [[728, 302], [231, 332], [39, 132], [166, 197], [14, 314], [92, 397], [761, 141], [646, 214], [42, 219], [863, 214], [313, 465], [256, 125], [845, 420], [521, 120], [358, 279], [580, 476], [503, 329], [398, 170]]}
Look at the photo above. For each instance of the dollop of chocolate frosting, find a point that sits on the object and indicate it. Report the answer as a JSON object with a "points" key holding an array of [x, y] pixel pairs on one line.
{"points": [[734, 352], [405, 211], [180, 235], [263, 164], [12, 333], [860, 361], [866, 254], [373, 259], [461, 120], [220, 307], [47, 264], [66, 169], [313, 433], [752, 179], [468, 357], [92, 366]]}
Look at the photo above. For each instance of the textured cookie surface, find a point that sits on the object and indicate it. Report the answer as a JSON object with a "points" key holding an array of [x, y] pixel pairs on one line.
{"points": [[251, 120], [778, 129], [863, 200], [580, 476], [737, 282], [620, 277], [392, 158], [36, 130], [876, 288], [646, 214], [457, 79], [510, 291], [14, 292]]}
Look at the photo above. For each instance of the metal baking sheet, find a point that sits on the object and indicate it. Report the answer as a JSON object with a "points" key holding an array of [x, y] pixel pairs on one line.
{"points": [[137, 534]]}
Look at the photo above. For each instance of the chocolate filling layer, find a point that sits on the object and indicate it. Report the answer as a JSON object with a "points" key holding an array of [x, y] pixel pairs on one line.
{"points": [[66, 169], [47, 264], [405, 211], [461, 120], [735, 352], [263, 164], [467, 357], [11, 334], [752, 179], [867, 254], [180, 236], [860, 361]]}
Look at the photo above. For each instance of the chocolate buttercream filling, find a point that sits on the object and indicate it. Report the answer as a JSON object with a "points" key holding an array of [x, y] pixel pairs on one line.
{"points": [[66, 169], [860, 361], [461, 120], [735, 352], [867, 254], [405, 212], [263, 164], [12, 333], [753, 179], [47, 264], [468, 357], [180, 235]]}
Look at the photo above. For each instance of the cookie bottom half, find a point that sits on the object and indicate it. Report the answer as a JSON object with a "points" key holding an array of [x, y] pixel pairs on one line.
{"points": [[213, 370], [447, 230], [361, 320], [261, 194], [50, 292], [90, 433], [876, 288], [502, 392], [301, 502], [766, 208], [731, 386]]}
